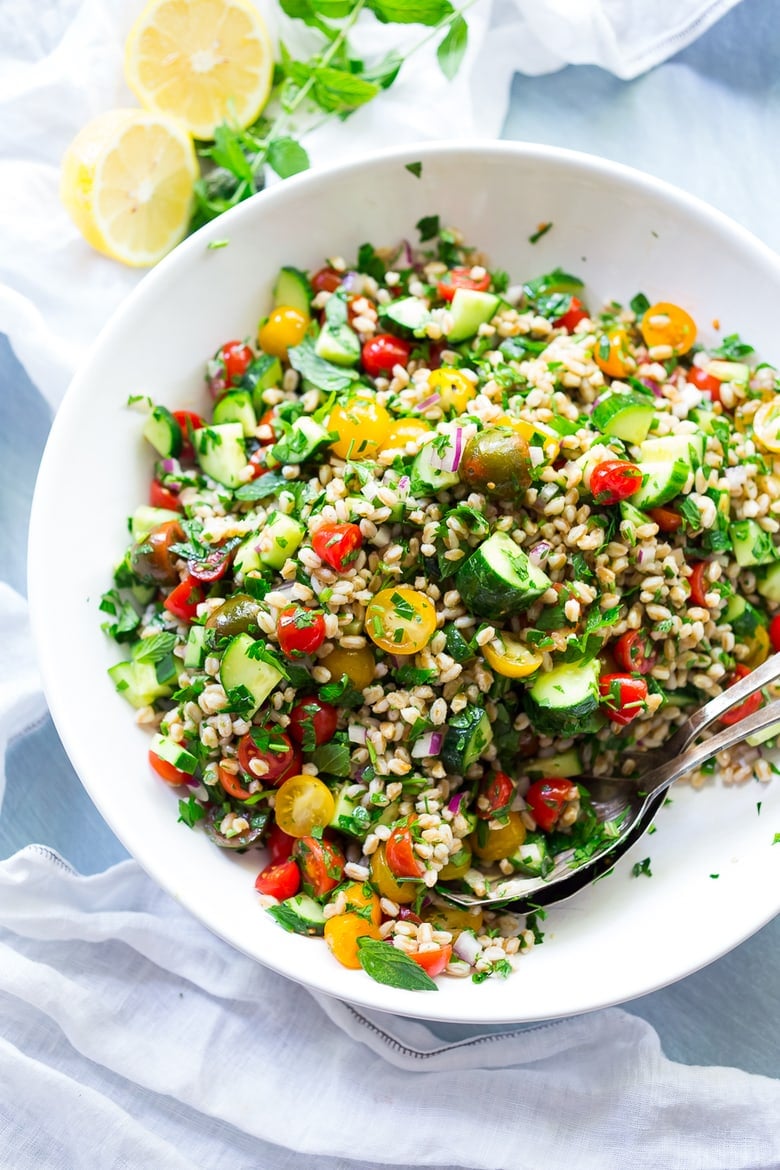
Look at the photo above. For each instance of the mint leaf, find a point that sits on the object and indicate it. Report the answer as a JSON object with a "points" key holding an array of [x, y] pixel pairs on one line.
{"points": [[385, 72], [428, 12], [287, 157], [386, 964], [155, 648], [452, 49], [324, 375], [414, 168], [337, 90], [190, 812], [267, 485]]}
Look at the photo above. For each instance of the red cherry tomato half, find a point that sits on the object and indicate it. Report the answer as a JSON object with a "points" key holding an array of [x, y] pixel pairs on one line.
{"points": [[575, 313], [313, 719], [280, 881], [212, 567], [162, 497], [624, 697], [326, 280], [183, 601], [400, 854], [749, 707], [280, 844], [382, 352], [546, 799], [434, 962], [495, 795], [704, 381], [273, 754], [189, 421], [300, 631], [167, 772], [461, 278], [666, 518], [614, 480], [633, 652], [774, 633], [231, 783], [337, 544], [698, 583], [322, 864]]}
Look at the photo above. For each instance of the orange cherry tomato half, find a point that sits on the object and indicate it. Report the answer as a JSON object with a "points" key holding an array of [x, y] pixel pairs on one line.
{"points": [[433, 962], [666, 518], [668, 324], [749, 707], [281, 881], [321, 863], [342, 932], [400, 854], [231, 783]]}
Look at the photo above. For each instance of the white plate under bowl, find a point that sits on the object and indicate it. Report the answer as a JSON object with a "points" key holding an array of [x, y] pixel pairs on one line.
{"points": [[716, 877]]}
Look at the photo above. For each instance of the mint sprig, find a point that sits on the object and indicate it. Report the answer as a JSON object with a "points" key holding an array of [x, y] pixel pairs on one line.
{"points": [[386, 964]]}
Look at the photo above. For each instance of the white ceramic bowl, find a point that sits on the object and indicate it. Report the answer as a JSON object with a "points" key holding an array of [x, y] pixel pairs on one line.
{"points": [[623, 232]]}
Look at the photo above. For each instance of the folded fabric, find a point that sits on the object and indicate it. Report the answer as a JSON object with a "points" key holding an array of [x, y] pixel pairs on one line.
{"points": [[132, 1037], [21, 698]]}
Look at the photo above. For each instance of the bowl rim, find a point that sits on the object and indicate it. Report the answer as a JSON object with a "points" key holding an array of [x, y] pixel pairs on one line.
{"points": [[629, 178]]}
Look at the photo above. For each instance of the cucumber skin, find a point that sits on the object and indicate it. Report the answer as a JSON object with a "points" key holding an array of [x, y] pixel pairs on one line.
{"points": [[581, 719], [455, 753], [477, 584]]}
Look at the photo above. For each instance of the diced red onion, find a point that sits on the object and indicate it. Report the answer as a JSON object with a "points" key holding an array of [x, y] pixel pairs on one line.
{"points": [[428, 402], [428, 744], [408, 252], [450, 458], [456, 801], [352, 282], [540, 552], [639, 556], [651, 384], [169, 466], [356, 733], [467, 948], [403, 485]]}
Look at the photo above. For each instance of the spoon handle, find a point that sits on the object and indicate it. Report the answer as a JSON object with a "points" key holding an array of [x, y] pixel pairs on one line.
{"points": [[768, 672], [661, 777]]}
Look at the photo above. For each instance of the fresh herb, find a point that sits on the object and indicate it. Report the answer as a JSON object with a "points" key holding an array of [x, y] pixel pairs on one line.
{"points": [[260, 652], [428, 227], [733, 349], [190, 812], [323, 374], [290, 920], [331, 83], [155, 648], [776, 839], [413, 676], [386, 964], [642, 867], [414, 168], [332, 758], [215, 245], [341, 693], [541, 230], [639, 304], [126, 617]]}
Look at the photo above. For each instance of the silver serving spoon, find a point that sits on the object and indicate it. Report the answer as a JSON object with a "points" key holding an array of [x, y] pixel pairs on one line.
{"points": [[629, 803]]}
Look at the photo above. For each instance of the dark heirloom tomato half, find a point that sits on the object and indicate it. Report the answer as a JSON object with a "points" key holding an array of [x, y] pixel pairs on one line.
{"points": [[497, 462]]}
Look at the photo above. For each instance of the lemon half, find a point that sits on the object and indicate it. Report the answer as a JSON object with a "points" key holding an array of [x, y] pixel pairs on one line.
{"points": [[127, 183], [201, 61]]}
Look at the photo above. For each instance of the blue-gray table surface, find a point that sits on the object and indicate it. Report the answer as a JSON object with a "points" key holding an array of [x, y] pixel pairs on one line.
{"points": [[708, 120]]}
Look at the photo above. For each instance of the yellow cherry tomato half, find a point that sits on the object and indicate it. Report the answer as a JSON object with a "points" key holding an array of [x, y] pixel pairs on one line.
{"points": [[284, 328], [405, 430], [400, 620], [758, 645], [303, 803], [455, 390], [362, 426], [342, 933], [612, 353], [500, 842], [667, 324], [453, 918], [551, 440], [357, 665], [458, 864], [510, 657], [362, 900], [383, 878], [766, 425]]}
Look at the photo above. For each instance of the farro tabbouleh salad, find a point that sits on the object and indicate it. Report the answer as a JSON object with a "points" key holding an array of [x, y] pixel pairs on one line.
{"points": [[443, 545]]}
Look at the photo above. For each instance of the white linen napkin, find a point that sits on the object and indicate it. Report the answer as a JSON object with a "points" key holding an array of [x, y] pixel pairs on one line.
{"points": [[131, 1037], [64, 66]]}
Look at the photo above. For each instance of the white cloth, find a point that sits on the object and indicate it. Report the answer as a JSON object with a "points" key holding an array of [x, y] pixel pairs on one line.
{"points": [[133, 1038], [64, 66], [129, 1036]]}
